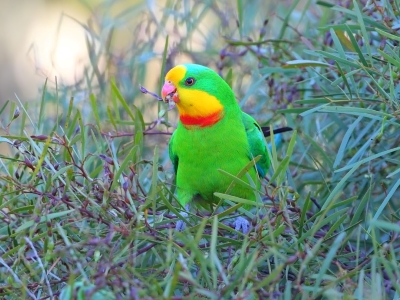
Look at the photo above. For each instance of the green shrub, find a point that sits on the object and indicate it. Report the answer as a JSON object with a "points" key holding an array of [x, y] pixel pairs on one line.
{"points": [[87, 197]]}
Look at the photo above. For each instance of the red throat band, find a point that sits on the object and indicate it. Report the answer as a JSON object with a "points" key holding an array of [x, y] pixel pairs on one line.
{"points": [[202, 121]]}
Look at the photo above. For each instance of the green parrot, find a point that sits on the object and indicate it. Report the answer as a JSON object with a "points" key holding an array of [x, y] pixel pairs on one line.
{"points": [[212, 133]]}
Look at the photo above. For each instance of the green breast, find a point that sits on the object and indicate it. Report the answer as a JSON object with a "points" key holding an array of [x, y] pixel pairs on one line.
{"points": [[202, 151]]}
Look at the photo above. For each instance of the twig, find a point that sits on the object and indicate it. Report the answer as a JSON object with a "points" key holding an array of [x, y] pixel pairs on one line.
{"points": [[145, 91]]}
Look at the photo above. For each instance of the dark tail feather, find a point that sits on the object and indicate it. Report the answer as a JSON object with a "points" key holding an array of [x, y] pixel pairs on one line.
{"points": [[267, 132]]}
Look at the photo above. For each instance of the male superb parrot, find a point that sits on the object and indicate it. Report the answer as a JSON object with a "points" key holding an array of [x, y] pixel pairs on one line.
{"points": [[212, 133]]}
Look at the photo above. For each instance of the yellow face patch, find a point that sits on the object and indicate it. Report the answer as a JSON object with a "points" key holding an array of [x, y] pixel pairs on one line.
{"points": [[192, 102], [176, 74], [196, 103]]}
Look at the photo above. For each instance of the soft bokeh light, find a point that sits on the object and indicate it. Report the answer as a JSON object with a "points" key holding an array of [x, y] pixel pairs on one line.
{"points": [[60, 53], [40, 40]]}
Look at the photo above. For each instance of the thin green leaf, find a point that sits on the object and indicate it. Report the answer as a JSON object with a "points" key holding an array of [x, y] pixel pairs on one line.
{"points": [[42, 219], [301, 63]]}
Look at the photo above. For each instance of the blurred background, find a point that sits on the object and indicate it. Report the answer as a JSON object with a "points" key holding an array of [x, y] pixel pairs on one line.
{"points": [[40, 40], [78, 46], [48, 38]]}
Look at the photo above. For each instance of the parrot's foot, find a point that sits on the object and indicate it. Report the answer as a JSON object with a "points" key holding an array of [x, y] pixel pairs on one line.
{"points": [[180, 225], [241, 224]]}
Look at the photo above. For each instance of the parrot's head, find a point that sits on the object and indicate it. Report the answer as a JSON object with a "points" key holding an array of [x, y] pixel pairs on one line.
{"points": [[200, 94]]}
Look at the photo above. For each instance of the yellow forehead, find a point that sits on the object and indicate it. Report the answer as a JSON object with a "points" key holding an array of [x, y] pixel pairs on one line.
{"points": [[176, 74]]}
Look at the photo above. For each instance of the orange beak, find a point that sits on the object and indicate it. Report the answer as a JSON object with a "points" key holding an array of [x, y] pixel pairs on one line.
{"points": [[169, 92]]}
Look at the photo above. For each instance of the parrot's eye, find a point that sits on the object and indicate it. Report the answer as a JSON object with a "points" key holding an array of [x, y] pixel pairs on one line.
{"points": [[190, 81]]}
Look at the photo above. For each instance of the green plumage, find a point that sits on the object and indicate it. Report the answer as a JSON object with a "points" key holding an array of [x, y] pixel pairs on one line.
{"points": [[198, 152]]}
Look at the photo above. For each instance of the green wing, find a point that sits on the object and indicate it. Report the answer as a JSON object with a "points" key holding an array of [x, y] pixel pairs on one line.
{"points": [[257, 144], [172, 155]]}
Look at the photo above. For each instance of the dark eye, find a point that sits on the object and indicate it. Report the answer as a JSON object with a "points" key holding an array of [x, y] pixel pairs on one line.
{"points": [[190, 81]]}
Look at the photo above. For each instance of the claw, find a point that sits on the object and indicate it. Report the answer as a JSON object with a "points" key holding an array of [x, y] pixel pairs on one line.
{"points": [[241, 224]]}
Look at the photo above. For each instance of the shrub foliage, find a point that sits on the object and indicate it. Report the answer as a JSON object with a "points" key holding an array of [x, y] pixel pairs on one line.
{"points": [[87, 194]]}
